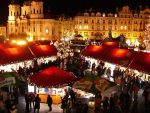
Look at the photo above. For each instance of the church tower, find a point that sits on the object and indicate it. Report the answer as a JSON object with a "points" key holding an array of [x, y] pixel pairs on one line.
{"points": [[14, 11], [36, 9]]}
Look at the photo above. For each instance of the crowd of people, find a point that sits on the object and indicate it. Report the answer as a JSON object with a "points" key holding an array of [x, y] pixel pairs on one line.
{"points": [[123, 101], [8, 101]]}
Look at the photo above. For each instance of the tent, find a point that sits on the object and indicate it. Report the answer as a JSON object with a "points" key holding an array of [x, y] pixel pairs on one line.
{"points": [[43, 50], [141, 62], [110, 43], [124, 57], [15, 54], [52, 76], [22, 53], [95, 51], [121, 57]]}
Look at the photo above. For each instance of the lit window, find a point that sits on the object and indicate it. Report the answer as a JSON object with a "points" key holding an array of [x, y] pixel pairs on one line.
{"points": [[80, 27], [121, 27], [104, 15], [125, 27], [47, 31]]}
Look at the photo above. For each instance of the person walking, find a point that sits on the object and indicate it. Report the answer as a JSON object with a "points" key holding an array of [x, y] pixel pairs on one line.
{"points": [[27, 103], [37, 101], [49, 102]]}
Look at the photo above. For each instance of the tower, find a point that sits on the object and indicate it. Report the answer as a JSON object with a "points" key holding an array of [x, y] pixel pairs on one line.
{"points": [[36, 9], [14, 10]]}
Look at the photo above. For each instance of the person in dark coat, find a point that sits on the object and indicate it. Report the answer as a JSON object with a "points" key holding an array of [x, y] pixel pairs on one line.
{"points": [[37, 101], [49, 102], [27, 102], [73, 97]]}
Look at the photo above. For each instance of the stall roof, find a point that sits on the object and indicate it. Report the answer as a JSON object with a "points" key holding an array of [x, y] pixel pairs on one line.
{"points": [[52, 76], [10, 55], [95, 51], [121, 57], [124, 57], [110, 44], [43, 50], [141, 62], [15, 54]]}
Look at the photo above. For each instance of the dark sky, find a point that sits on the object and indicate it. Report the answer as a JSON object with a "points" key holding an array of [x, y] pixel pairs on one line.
{"points": [[71, 7]]}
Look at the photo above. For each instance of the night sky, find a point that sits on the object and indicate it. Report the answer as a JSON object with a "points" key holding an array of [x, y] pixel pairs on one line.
{"points": [[71, 7]]}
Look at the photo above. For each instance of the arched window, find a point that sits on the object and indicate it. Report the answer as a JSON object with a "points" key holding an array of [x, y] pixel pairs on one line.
{"points": [[34, 11]]}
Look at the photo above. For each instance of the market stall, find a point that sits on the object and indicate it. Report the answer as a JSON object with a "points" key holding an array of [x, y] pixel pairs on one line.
{"points": [[48, 79]]}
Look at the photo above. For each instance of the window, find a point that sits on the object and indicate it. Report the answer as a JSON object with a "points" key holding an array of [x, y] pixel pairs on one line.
{"points": [[109, 21], [92, 27], [92, 34], [34, 11], [115, 21], [86, 21], [98, 21], [103, 27], [103, 21], [33, 29], [92, 21], [80, 21], [110, 27]]}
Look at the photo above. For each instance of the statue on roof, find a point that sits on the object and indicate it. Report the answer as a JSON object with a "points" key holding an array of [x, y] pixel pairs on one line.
{"points": [[13, 2]]}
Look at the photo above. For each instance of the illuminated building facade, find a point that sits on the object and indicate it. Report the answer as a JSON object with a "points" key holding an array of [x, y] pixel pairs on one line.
{"points": [[130, 24], [30, 21], [3, 30]]}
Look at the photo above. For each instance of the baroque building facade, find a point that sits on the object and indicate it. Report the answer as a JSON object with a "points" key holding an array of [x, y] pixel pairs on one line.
{"points": [[30, 21], [124, 22]]}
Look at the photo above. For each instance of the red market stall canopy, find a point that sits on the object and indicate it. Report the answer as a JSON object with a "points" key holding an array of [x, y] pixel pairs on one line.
{"points": [[43, 50], [123, 57], [110, 44], [15, 54], [95, 51], [52, 76], [141, 62], [22, 53]]}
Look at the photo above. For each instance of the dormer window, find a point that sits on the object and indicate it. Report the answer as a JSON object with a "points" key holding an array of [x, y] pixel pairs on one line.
{"points": [[116, 15], [98, 14], [92, 14], [104, 14]]}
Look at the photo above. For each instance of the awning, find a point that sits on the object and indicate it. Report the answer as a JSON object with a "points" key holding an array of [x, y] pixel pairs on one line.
{"points": [[15, 54], [52, 76], [95, 51], [121, 57], [43, 50], [110, 44], [141, 62]]}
